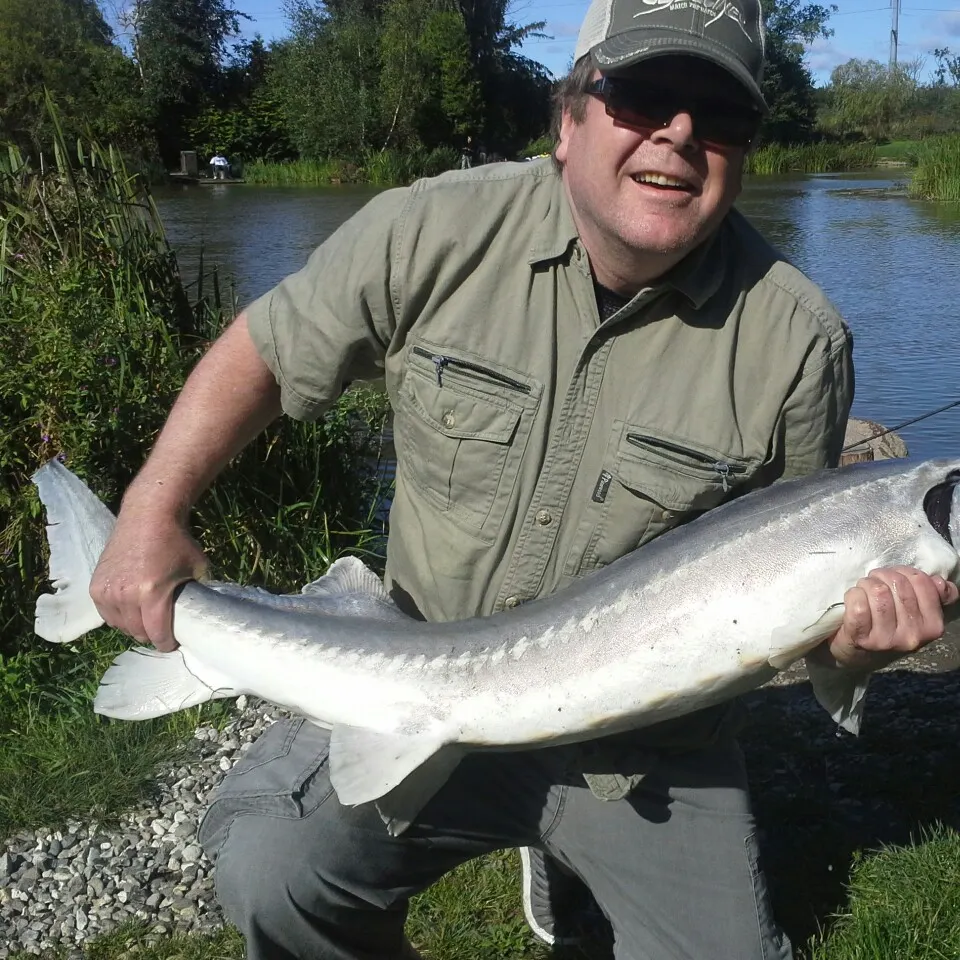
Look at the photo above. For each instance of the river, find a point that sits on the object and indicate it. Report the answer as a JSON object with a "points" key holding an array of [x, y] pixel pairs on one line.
{"points": [[891, 265]]}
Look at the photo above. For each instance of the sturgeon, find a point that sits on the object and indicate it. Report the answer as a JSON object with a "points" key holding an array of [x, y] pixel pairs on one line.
{"points": [[703, 613]]}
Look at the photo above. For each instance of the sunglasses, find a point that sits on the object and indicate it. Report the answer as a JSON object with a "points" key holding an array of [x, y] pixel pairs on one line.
{"points": [[719, 123]]}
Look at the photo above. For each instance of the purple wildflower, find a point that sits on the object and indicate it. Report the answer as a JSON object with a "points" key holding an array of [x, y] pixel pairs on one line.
{"points": [[45, 438], [110, 361], [62, 457]]}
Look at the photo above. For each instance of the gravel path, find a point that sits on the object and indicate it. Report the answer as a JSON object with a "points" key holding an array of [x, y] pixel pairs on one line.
{"points": [[61, 888]]}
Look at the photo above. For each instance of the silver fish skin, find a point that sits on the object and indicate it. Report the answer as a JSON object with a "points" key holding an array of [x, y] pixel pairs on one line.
{"points": [[701, 614]]}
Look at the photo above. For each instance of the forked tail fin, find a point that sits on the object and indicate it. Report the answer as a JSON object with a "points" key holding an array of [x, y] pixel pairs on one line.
{"points": [[78, 527]]}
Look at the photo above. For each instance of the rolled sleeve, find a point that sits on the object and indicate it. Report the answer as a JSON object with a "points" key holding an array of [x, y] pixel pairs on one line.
{"points": [[331, 322], [814, 418]]}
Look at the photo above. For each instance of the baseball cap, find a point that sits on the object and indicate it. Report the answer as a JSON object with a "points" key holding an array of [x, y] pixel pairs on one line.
{"points": [[729, 33]]}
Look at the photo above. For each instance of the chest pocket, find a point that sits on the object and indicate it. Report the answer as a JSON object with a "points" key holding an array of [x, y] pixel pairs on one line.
{"points": [[461, 426], [653, 481]]}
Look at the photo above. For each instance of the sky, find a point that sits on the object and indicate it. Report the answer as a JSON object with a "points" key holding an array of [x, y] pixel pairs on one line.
{"points": [[862, 29]]}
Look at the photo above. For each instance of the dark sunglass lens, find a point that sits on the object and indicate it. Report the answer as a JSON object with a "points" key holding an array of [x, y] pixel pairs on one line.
{"points": [[638, 106], [726, 127]]}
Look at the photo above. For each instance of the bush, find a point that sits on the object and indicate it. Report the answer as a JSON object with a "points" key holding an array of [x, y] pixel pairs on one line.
{"points": [[97, 339], [937, 176]]}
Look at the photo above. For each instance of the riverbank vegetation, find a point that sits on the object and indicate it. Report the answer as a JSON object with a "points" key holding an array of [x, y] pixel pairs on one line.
{"points": [[937, 176], [98, 335], [811, 158]]}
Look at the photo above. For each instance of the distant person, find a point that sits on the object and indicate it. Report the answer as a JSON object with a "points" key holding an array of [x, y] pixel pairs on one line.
{"points": [[466, 160], [219, 167]]}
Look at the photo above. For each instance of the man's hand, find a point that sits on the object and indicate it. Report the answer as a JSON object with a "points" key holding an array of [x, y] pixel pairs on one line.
{"points": [[890, 613], [144, 562]]}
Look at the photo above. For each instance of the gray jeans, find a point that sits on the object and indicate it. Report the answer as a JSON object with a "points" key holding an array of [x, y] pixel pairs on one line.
{"points": [[673, 866]]}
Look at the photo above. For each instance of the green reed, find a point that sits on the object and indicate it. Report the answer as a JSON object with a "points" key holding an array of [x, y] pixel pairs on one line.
{"points": [[811, 158], [381, 167], [937, 176], [98, 335]]}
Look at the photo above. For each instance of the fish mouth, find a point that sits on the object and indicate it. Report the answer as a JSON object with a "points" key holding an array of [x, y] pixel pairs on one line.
{"points": [[941, 509]]}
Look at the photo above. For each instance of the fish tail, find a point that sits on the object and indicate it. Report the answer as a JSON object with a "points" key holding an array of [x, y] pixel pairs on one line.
{"points": [[78, 527]]}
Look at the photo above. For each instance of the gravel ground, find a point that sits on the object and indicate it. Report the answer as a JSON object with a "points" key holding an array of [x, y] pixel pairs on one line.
{"points": [[60, 888]]}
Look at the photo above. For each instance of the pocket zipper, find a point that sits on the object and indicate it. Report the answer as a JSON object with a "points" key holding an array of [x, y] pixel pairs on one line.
{"points": [[441, 362], [722, 468]]}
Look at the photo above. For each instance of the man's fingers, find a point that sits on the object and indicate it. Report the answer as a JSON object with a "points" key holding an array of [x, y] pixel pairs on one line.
{"points": [[158, 622]]}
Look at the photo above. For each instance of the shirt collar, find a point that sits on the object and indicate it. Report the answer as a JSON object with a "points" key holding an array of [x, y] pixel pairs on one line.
{"points": [[556, 231]]}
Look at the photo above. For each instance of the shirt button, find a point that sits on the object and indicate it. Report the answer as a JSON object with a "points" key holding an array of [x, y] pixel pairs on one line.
{"points": [[669, 514], [544, 518], [511, 602], [448, 419]]}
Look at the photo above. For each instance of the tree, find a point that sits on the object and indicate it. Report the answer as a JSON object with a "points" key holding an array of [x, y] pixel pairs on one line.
{"points": [[787, 84], [868, 97], [327, 80], [65, 47], [181, 46], [947, 66], [430, 93]]}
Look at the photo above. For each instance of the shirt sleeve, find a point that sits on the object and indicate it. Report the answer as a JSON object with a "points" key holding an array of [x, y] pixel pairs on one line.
{"points": [[814, 418], [331, 322]]}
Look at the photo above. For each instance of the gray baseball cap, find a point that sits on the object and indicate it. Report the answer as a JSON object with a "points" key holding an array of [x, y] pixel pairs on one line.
{"points": [[621, 33]]}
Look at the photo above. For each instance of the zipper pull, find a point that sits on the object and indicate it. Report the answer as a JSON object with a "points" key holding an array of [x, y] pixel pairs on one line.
{"points": [[724, 470], [440, 362]]}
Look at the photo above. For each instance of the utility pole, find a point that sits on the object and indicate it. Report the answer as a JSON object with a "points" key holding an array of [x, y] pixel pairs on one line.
{"points": [[894, 25]]}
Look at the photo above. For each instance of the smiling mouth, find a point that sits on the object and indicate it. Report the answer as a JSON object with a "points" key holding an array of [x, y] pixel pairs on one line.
{"points": [[660, 180]]}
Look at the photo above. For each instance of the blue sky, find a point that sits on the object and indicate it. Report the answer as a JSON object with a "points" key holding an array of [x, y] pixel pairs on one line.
{"points": [[862, 29]]}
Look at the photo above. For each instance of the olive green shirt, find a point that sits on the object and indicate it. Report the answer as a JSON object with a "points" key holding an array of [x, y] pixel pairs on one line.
{"points": [[535, 443]]}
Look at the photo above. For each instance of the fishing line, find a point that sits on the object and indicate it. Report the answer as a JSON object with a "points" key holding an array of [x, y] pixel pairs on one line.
{"points": [[906, 423]]}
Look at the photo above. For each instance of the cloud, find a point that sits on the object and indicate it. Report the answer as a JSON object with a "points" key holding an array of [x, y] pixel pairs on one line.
{"points": [[562, 29], [946, 24], [823, 55]]}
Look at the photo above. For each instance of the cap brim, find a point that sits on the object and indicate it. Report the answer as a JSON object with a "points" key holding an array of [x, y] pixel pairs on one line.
{"points": [[627, 49]]}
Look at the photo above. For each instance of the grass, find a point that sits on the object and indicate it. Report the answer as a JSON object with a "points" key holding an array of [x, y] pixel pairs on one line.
{"points": [[381, 167], [904, 151], [810, 158], [904, 904], [937, 176]]}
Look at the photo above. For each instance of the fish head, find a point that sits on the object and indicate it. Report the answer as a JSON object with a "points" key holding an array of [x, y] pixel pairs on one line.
{"points": [[941, 502]]}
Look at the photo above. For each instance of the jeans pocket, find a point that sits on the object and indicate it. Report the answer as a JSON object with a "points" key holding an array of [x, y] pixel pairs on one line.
{"points": [[284, 774]]}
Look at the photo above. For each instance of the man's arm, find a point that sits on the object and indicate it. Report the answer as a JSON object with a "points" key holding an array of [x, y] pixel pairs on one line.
{"points": [[226, 401]]}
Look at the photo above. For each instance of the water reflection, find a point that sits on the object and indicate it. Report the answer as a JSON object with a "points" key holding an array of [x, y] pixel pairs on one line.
{"points": [[890, 264]]}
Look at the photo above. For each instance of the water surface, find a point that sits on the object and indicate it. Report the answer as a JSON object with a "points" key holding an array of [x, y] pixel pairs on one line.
{"points": [[890, 264]]}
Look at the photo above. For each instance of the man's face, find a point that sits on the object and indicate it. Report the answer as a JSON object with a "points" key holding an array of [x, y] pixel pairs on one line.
{"points": [[651, 194]]}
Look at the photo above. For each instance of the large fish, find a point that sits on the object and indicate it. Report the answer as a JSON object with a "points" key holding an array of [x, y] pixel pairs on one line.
{"points": [[701, 614]]}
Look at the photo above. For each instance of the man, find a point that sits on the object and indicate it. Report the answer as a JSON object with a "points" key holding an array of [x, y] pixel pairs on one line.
{"points": [[581, 354], [219, 166]]}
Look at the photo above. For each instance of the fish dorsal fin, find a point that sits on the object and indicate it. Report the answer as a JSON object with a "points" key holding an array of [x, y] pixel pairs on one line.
{"points": [[78, 527], [348, 575], [365, 765]]}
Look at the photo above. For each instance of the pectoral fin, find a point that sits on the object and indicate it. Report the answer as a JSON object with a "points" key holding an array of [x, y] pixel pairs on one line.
{"points": [[400, 806], [366, 765], [840, 692]]}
